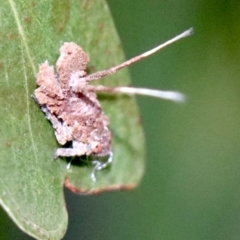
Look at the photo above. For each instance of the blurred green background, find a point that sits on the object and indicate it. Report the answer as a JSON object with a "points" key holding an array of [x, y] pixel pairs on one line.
{"points": [[191, 186]]}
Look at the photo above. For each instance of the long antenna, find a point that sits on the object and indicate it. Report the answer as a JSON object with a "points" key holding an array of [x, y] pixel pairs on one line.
{"points": [[168, 95], [103, 73]]}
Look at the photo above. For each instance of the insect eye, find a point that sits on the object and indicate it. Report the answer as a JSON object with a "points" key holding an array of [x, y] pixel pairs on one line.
{"points": [[96, 147]]}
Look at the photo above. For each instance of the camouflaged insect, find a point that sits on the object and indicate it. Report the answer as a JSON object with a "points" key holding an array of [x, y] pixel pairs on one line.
{"points": [[70, 102], [75, 116]]}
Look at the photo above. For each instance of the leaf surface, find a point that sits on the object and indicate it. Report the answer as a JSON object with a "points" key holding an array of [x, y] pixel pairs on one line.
{"points": [[31, 183]]}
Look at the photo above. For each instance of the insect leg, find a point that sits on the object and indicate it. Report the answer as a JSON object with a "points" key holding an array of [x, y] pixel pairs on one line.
{"points": [[98, 166]]}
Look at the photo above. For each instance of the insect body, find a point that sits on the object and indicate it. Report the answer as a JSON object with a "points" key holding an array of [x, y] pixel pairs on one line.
{"points": [[75, 116]]}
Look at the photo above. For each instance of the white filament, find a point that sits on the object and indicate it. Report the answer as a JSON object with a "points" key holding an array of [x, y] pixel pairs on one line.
{"points": [[169, 95]]}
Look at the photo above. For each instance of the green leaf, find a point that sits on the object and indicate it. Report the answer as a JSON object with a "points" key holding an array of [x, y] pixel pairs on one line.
{"points": [[31, 183]]}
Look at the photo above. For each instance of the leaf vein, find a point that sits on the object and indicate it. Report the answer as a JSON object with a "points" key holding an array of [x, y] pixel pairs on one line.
{"points": [[28, 109], [21, 32]]}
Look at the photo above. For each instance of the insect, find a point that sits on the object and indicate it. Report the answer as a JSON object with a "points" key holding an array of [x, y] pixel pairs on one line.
{"points": [[71, 105]]}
